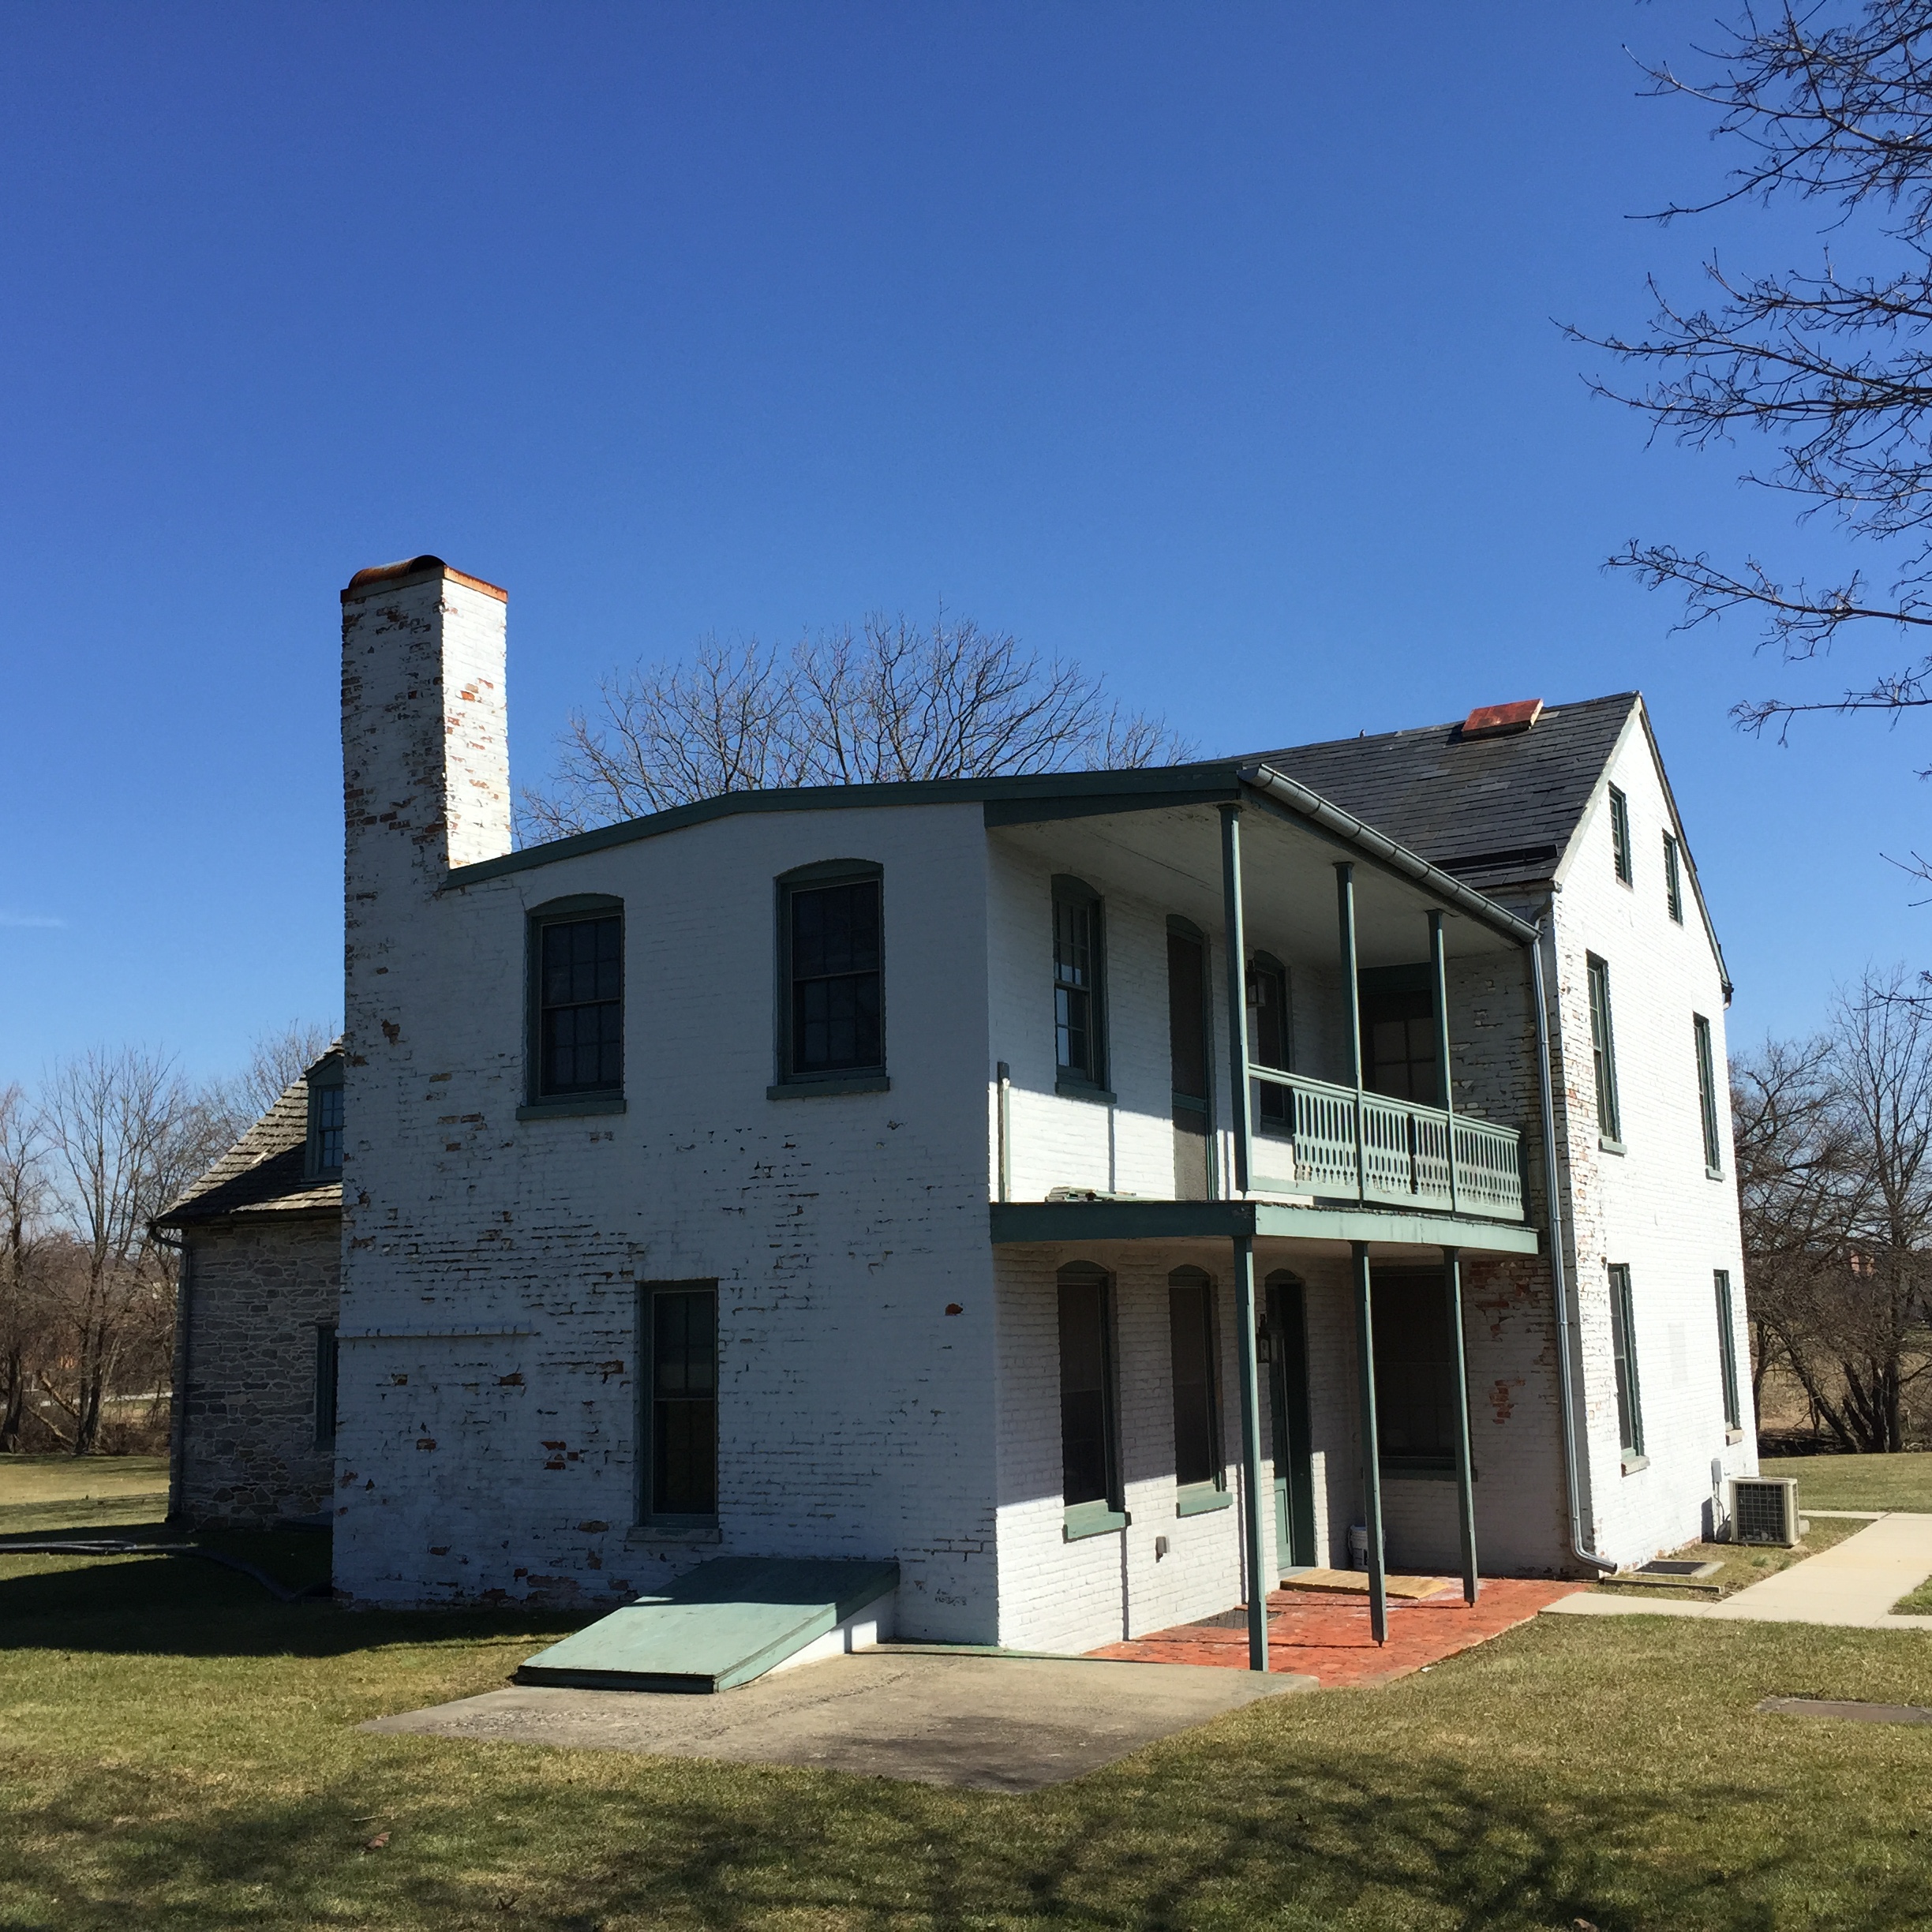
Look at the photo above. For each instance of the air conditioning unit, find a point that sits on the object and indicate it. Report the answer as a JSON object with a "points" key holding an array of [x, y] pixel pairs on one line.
{"points": [[1764, 1509]]}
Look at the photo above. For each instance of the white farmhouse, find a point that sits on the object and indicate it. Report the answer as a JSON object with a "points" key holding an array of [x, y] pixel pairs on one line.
{"points": [[875, 1173]]}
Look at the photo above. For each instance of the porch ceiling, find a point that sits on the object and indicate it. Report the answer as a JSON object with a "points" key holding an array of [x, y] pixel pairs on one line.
{"points": [[1392, 1236], [1171, 855]]}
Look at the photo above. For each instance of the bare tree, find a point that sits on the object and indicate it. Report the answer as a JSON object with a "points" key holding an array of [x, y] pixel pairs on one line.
{"points": [[23, 1231], [277, 1059], [1835, 1169], [1832, 103], [124, 1134], [889, 702]]}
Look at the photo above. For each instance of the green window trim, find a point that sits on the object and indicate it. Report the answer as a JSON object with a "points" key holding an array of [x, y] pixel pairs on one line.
{"points": [[1198, 1499], [1673, 879], [1090, 1461], [569, 1106], [1081, 1520], [823, 999], [543, 1094], [1624, 1353], [1707, 1096], [1080, 1008], [322, 1143], [1603, 1050], [677, 1410], [807, 1087], [1727, 1356], [1620, 837]]}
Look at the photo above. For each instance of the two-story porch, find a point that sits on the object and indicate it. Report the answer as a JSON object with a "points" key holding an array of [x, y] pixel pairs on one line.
{"points": [[1258, 1118]]}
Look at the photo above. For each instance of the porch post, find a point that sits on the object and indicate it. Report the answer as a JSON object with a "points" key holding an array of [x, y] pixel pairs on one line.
{"points": [[1236, 949], [1371, 1447], [1438, 964], [1351, 987], [1254, 1521], [1465, 1474]]}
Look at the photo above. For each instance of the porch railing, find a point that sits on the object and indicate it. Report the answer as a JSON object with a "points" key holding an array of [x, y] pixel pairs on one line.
{"points": [[1417, 1156]]}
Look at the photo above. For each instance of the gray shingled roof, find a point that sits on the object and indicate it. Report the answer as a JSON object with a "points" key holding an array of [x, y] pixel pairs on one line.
{"points": [[1492, 808], [263, 1172]]}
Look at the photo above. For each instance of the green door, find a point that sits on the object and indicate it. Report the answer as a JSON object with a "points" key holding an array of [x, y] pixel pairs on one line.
{"points": [[1288, 1405]]}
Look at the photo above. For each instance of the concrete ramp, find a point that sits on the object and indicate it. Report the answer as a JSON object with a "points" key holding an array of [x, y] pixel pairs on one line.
{"points": [[725, 1623]]}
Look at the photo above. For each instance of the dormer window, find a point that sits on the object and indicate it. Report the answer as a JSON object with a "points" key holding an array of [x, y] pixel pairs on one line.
{"points": [[323, 1156]]}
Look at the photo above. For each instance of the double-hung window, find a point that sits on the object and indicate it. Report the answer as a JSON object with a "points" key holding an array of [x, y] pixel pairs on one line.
{"points": [[1078, 960], [1603, 1051], [1620, 835], [576, 997], [1673, 879], [677, 1339], [831, 943], [322, 1154], [1199, 1469], [1089, 1435], [1727, 1354], [1623, 1348], [1707, 1096]]}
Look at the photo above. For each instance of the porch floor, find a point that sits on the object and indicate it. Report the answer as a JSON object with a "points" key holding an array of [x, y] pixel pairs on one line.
{"points": [[1327, 1638]]}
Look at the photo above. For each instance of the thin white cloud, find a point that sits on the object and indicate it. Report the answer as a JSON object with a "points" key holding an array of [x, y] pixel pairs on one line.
{"points": [[30, 918]]}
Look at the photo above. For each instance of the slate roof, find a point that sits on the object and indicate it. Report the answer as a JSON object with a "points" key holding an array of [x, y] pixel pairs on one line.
{"points": [[1487, 809], [263, 1172]]}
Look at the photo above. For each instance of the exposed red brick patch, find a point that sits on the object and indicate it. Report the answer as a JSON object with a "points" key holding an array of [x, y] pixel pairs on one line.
{"points": [[1328, 1638]]}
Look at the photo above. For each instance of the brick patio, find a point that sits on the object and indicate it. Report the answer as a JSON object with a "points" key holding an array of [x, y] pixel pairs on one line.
{"points": [[1327, 1637]]}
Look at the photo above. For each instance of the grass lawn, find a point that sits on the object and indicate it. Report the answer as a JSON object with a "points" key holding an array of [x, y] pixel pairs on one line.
{"points": [[66, 1478], [177, 1750], [1903, 1481]]}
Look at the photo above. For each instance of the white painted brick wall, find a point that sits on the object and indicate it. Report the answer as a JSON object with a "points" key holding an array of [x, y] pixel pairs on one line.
{"points": [[1652, 1206]]}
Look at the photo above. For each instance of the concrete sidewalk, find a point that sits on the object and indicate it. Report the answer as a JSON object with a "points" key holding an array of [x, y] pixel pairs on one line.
{"points": [[1852, 1585]]}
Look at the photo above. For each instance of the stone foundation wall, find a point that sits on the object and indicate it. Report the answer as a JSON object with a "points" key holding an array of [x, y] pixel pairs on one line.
{"points": [[256, 1290]]}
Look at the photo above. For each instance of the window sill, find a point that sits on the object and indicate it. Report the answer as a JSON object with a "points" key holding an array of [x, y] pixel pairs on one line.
{"points": [[1091, 1519], [806, 1087], [1732, 1436], [1421, 1469], [1633, 1463], [569, 1106], [1080, 1090], [1199, 1498], [1609, 1145], [644, 1535], [1713, 1173]]}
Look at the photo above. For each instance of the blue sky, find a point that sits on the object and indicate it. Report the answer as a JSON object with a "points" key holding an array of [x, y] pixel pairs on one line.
{"points": [[1212, 345]]}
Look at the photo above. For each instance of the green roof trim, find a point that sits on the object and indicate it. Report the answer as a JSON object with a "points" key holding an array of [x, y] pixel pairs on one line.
{"points": [[1028, 1223]]}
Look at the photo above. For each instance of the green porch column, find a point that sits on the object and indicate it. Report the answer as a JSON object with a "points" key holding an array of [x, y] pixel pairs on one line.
{"points": [[1465, 1474], [1438, 964], [1370, 1446], [1255, 1526], [1351, 989], [1237, 993]]}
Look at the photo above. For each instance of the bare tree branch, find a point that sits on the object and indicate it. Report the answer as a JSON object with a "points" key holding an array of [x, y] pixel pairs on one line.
{"points": [[888, 703]]}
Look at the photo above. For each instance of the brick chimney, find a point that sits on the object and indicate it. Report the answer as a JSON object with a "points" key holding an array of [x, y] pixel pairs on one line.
{"points": [[426, 764], [425, 731]]}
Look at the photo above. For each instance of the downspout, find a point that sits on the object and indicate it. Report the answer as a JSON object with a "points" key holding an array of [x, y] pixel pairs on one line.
{"points": [[1560, 1292]]}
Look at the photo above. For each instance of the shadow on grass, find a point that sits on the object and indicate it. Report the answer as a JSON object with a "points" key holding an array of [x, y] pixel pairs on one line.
{"points": [[1175, 1845], [175, 1606]]}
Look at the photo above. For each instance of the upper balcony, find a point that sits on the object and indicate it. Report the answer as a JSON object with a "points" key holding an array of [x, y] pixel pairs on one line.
{"points": [[1365, 977]]}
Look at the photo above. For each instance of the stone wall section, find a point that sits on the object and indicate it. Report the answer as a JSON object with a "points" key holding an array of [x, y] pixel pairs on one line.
{"points": [[258, 1287]]}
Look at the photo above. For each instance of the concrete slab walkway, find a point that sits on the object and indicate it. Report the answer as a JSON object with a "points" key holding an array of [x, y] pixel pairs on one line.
{"points": [[1853, 1584], [1329, 1638], [1005, 1723]]}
